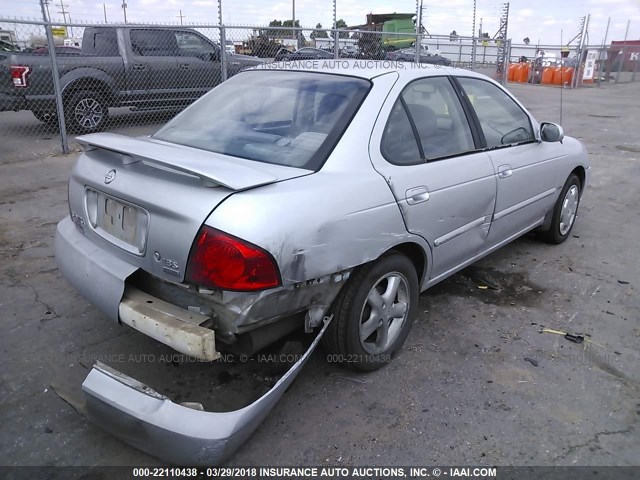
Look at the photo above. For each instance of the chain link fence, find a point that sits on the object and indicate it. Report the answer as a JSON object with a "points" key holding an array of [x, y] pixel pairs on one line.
{"points": [[133, 78], [593, 65]]}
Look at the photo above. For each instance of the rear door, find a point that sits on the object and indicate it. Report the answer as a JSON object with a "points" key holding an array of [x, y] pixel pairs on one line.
{"points": [[152, 68], [425, 148], [527, 171]]}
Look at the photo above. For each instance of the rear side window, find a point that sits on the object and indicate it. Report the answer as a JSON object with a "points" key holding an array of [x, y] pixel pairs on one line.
{"points": [[399, 145], [102, 42], [154, 43], [503, 121], [439, 118]]}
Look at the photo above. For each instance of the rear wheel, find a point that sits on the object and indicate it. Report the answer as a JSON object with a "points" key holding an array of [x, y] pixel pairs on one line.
{"points": [[85, 111], [373, 314], [46, 117], [564, 212]]}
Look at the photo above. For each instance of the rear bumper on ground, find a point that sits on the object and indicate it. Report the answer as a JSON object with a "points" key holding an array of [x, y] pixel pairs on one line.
{"points": [[101, 278], [175, 433]]}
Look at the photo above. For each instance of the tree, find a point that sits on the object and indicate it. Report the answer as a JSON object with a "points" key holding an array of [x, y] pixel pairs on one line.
{"points": [[281, 33], [341, 24], [453, 36], [319, 32]]}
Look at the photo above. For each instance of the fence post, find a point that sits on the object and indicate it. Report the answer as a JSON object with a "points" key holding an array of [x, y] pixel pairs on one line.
{"points": [[622, 54], [459, 52], [417, 50], [505, 62], [336, 43], [635, 70], [223, 53], [56, 80]]}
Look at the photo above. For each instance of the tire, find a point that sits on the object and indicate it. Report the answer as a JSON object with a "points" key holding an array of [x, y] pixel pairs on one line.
{"points": [[564, 212], [346, 340], [85, 111], [49, 118]]}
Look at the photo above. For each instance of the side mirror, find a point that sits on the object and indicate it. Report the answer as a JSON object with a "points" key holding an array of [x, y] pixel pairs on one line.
{"points": [[551, 132]]}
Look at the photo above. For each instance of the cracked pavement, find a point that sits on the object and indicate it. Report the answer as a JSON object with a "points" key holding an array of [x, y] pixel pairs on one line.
{"points": [[460, 392]]}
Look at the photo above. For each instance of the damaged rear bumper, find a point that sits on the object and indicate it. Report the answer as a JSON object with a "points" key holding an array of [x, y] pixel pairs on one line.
{"points": [[148, 420]]}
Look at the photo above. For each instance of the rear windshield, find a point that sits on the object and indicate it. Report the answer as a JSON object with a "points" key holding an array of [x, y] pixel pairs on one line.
{"points": [[281, 117]]}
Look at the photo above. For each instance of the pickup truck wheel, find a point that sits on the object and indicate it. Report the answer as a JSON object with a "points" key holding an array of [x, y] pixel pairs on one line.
{"points": [[373, 314], [46, 117], [564, 212], [85, 111]]}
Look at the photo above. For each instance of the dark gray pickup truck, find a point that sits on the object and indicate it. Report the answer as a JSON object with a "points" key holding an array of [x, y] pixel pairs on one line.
{"points": [[143, 68]]}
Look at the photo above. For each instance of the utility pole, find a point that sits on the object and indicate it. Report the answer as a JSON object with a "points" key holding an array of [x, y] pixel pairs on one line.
{"points": [[64, 15], [180, 17], [124, 10], [104, 8], [46, 6], [63, 11]]}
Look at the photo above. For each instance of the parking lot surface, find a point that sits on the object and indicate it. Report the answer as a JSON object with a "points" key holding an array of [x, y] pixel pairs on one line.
{"points": [[476, 383]]}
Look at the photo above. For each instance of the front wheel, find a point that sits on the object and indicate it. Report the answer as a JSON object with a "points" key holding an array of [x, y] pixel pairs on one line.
{"points": [[564, 212], [85, 111], [373, 314]]}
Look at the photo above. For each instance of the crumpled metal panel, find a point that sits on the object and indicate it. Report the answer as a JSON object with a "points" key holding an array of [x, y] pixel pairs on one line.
{"points": [[148, 420], [97, 274]]}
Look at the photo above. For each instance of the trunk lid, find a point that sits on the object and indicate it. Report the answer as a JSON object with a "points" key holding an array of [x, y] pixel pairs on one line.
{"points": [[145, 200]]}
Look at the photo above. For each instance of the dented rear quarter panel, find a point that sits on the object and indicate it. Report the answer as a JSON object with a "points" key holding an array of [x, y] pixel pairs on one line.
{"points": [[341, 217]]}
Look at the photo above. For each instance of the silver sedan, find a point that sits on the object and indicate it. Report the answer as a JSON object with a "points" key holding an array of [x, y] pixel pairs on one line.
{"points": [[321, 198]]}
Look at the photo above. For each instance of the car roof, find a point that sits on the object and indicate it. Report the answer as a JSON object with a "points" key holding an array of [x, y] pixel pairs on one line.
{"points": [[368, 69]]}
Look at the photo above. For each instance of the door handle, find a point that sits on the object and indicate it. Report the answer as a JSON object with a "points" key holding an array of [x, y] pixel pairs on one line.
{"points": [[138, 66], [504, 171], [185, 66], [417, 195]]}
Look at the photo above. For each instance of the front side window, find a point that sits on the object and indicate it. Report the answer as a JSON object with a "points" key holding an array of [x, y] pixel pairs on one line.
{"points": [[281, 117], [192, 45], [502, 120]]}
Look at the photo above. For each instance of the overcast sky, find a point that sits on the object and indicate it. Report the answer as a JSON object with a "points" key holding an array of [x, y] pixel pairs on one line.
{"points": [[540, 20]]}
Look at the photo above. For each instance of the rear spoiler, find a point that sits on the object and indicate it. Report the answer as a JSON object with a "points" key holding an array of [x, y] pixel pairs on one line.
{"points": [[213, 168]]}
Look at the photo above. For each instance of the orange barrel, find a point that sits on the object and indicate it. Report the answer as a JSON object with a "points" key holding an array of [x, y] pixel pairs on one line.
{"points": [[547, 76], [567, 75], [511, 71], [558, 76], [522, 74]]}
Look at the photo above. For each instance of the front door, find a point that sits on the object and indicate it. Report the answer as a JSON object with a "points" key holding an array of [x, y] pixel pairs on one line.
{"points": [[527, 171], [198, 64], [424, 147]]}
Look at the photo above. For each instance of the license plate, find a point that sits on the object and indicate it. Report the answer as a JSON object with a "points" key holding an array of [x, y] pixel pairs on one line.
{"points": [[119, 222]]}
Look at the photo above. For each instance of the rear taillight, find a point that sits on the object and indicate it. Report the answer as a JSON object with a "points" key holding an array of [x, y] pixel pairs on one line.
{"points": [[218, 260], [19, 74]]}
